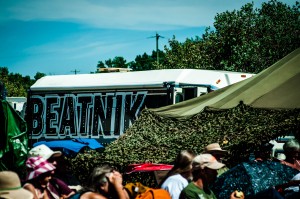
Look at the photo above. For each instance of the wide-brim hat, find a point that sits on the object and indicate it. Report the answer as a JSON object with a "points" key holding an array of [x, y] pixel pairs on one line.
{"points": [[214, 148], [206, 160], [44, 151], [10, 186], [37, 166]]}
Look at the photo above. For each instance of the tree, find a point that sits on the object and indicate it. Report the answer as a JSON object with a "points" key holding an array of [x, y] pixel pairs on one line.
{"points": [[101, 64], [39, 75], [109, 63], [16, 85], [148, 62], [142, 62], [119, 62], [184, 55], [245, 40]]}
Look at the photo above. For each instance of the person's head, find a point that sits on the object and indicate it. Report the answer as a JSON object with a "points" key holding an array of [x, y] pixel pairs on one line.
{"points": [[205, 167], [45, 152], [39, 169], [181, 165], [183, 161], [292, 150], [10, 186], [215, 150], [99, 180], [264, 152]]}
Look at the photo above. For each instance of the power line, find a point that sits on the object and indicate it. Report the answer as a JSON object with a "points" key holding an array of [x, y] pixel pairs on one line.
{"points": [[157, 36], [75, 71]]}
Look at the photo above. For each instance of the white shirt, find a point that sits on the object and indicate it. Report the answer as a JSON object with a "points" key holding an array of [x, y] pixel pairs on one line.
{"points": [[174, 185], [294, 188]]}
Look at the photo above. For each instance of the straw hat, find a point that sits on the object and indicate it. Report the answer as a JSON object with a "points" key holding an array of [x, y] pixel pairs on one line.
{"points": [[214, 148], [44, 151], [10, 186], [38, 166]]}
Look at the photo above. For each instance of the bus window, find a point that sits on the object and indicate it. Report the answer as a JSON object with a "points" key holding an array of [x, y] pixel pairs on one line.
{"points": [[178, 97]]}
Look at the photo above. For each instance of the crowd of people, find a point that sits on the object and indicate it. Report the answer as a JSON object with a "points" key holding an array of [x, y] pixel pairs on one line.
{"points": [[190, 178]]}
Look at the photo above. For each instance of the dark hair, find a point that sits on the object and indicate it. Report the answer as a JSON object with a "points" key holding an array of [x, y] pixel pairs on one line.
{"points": [[200, 173], [264, 151]]}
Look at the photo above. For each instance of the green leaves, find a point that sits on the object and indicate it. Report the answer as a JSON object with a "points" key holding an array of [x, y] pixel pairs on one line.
{"points": [[246, 40]]}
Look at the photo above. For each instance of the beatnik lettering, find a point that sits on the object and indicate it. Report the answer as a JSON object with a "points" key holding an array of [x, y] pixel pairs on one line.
{"points": [[90, 115]]}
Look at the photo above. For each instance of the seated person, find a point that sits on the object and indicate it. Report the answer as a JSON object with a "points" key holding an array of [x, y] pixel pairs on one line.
{"points": [[104, 183], [40, 183], [58, 160]]}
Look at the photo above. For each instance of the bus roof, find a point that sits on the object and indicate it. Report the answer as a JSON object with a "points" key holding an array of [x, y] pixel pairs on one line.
{"points": [[139, 79]]}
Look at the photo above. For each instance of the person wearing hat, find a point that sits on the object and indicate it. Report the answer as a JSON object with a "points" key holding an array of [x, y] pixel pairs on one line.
{"points": [[40, 183], [177, 178], [10, 186], [215, 150], [204, 170], [56, 158], [46, 153]]}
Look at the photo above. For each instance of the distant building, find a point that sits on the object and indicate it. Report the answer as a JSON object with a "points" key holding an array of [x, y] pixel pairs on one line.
{"points": [[17, 102], [110, 70]]}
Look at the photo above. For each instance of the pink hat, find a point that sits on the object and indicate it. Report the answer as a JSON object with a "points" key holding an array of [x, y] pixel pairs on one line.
{"points": [[37, 166]]}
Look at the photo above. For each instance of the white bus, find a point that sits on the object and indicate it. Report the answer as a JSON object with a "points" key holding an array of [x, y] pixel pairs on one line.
{"points": [[104, 105]]}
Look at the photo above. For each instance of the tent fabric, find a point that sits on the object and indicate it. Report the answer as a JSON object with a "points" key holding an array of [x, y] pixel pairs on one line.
{"points": [[146, 167], [13, 139], [71, 147], [274, 88]]}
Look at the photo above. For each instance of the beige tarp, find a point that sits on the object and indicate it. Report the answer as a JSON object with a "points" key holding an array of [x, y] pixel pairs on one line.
{"points": [[277, 87]]}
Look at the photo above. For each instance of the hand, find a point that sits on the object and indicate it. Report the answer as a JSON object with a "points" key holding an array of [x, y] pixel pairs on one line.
{"points": [[234, 195], [115, 178]]}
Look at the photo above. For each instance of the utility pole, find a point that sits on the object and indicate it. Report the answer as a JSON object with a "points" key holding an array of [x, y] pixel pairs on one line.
{"points": [[157, 36], [75, 71]]}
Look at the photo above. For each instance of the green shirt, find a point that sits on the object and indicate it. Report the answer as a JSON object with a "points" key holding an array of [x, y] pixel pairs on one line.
{"points": [[194, 192]]}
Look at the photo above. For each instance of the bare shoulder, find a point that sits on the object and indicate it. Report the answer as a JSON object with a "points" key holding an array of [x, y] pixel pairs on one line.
{"points": [[28, 186], [31, 188], [92, 195]]}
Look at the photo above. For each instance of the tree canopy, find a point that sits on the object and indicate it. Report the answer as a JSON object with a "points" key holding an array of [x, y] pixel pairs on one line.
{"points": [[245, 40]]}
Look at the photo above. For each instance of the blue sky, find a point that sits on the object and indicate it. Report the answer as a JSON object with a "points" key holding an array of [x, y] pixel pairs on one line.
{"points": [[56, 37]]}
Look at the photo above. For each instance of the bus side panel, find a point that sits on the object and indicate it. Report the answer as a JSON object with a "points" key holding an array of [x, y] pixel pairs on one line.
{"points": [[100, 115]]}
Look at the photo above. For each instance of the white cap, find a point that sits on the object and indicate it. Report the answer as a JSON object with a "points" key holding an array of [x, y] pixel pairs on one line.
{"points": [[281, 156], [207, 160], [44, 151]]}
